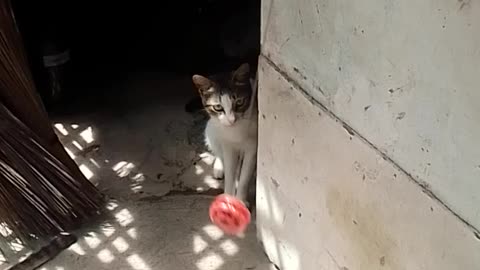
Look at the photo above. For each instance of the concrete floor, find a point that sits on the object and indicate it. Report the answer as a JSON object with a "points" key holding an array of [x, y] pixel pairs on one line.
{"points": [[145, 153]]}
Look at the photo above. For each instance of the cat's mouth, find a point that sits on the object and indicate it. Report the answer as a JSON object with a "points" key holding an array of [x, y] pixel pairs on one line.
{"points": [[229, 120], [228, 124]]}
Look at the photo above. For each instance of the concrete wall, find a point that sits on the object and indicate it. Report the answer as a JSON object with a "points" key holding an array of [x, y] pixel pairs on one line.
{"points": [[369, 120]]}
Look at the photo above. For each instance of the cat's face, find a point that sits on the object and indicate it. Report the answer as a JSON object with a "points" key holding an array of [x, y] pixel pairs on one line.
{"points": [[226, 97]]}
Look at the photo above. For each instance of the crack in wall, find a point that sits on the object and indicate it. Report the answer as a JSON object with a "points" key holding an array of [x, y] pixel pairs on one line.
{"points": [[351, 130]]}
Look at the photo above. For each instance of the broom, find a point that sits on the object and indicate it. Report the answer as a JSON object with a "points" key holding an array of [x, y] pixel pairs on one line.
{"points": [[40, 197], [46, 198]]}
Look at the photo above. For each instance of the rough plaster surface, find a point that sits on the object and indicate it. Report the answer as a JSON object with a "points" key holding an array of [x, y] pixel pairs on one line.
{"points": [[327, 200], [146, 154], [404, 74]]}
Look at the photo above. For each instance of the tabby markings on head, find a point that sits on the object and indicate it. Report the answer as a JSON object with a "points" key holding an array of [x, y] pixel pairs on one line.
{"points": [[226, 96]]}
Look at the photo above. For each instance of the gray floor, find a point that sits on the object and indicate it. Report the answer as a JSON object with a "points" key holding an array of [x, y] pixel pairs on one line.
{"points": [[141, 149]]}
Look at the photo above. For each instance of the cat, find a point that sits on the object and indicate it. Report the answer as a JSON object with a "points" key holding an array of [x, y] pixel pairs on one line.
{"points": [[231, 132]]}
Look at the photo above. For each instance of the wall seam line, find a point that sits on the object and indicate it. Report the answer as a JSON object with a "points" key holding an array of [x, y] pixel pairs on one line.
{"points": [[422, 185]]}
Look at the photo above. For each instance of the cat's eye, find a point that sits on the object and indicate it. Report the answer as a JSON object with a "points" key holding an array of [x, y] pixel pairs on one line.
{"points": [[217, 108], [239, 102]]}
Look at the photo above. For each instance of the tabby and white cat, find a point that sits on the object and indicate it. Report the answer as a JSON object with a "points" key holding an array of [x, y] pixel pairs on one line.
{"points": [[231, 132]]}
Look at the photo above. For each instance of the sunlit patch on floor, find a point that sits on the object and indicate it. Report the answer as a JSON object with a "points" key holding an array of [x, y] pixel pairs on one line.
{"points": [[77, 249], [213, 231], [123, 168], [120, 244], [199, 169], [70, 153], [87, 135], [137, 263], [111, 205], [105, 256], [108, 229], [60, 128], [211, 261], [86, 171], [123, 217], [132, 232], [17, 245], [229, 247], [211, 183], [77, 145], [95, 163], [4, 230], [92, 240], [199, 244]]}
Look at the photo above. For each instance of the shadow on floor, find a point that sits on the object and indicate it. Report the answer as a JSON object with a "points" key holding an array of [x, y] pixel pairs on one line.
{"points": [[168, 233], [139, 147]]}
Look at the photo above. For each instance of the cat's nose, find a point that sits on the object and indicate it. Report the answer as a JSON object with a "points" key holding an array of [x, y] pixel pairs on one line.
{"points": [[231, 119]]}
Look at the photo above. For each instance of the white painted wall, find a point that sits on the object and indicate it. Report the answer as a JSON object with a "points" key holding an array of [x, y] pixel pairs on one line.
{"points": [[402, 192]]}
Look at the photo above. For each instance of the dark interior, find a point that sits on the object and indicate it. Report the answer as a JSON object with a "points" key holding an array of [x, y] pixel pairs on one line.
{"points": [[107, 41]]}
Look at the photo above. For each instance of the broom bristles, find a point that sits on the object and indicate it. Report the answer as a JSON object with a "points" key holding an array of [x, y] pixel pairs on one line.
{"points": [[39, 198]]}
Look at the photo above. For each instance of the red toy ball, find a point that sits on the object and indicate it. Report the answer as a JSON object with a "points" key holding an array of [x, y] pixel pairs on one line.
{"points": [[229, 214]]}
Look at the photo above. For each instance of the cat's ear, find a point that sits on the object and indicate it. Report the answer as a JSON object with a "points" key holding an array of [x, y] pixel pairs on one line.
{"points": [[202, 83], [242, 74]]}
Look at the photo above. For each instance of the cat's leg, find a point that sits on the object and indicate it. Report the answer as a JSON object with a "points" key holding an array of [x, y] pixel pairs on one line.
{"points": [[230, 162], [216, 147], [246, 173]]}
